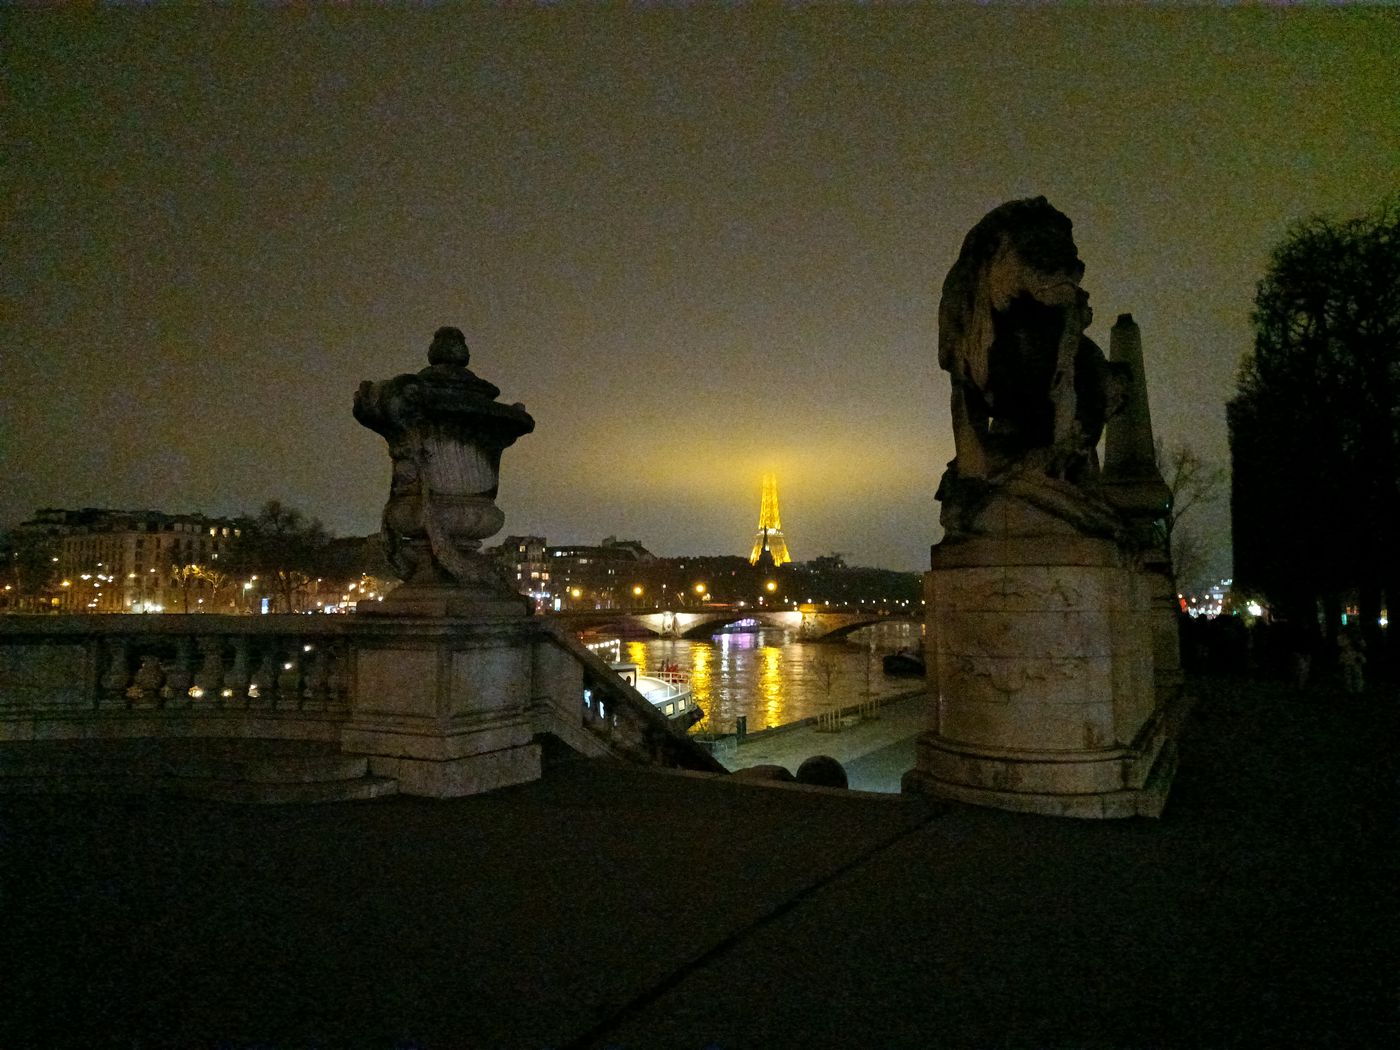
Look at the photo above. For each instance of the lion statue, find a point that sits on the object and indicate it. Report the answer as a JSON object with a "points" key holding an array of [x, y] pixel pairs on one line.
{"points": [[1031, 392]]}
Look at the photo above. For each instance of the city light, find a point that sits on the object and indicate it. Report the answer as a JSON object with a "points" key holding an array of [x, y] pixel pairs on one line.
{"points": [[771, 586]]}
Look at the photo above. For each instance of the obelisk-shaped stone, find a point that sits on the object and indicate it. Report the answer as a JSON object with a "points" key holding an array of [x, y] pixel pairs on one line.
{"points": [[1131, 479], [1133, 483]]}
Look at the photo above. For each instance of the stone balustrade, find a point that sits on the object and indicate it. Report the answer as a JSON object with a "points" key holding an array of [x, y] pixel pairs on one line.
{"points": [[171, 663], [283, 672], [444, 705]]}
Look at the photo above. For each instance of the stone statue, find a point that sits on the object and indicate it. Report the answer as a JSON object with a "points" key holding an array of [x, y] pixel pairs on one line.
{"points": [[446, 432], [1051, 642], [1031, 392]]}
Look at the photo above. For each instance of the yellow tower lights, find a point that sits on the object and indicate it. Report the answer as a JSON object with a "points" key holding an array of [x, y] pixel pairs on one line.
{"points": [[770, 526]]}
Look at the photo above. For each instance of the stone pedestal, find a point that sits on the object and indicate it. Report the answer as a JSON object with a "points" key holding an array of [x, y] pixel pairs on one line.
{"points": [[444, 706], [1041, 657]]}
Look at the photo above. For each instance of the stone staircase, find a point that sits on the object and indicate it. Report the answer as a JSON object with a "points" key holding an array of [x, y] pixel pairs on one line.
{"points": [[223, 770]]}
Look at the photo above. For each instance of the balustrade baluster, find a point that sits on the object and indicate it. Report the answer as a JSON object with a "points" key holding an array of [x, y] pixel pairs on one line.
{"points": [[176, 692], [210, 678], [338, 691], [117, 677], [318, 678], [145, 685], [289, 680], [238, 682], [263, 685]]}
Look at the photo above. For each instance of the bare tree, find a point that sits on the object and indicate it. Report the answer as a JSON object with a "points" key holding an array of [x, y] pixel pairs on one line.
{"points": [[1193, 482], [185, 577], [216, 578], [828, 671]]}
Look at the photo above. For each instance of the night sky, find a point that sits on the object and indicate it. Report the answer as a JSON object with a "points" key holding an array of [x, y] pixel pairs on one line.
{"points": [[697, 245]]}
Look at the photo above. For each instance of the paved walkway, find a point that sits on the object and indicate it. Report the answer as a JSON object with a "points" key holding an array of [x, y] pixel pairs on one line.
{"points": [[615, 907], [875, 752]]}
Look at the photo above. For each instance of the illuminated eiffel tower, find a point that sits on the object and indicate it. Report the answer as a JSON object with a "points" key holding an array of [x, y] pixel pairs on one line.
{"points": [[769, 540]]}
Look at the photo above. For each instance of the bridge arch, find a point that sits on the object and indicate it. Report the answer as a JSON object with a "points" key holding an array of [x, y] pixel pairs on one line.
{"points": [[769, 618], [819, 632]]}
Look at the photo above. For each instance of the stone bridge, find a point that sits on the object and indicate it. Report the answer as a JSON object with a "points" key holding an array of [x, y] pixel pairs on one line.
{"points": [[810, 624]]}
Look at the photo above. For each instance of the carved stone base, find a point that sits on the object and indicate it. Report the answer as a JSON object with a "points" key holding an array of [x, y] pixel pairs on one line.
{"points": [[1107, 783], [445, 707], [1041, 653]]}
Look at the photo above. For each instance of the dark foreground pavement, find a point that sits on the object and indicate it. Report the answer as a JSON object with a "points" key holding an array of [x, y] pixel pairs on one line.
{"points": [[613, 907]]}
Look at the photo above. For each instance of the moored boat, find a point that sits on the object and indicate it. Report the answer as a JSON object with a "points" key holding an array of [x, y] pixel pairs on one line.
{"points": [[668, 690]]}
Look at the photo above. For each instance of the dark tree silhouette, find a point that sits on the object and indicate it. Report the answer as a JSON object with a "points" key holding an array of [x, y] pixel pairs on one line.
{"points": [[28, 567], [1315, 423], [283, 548]]}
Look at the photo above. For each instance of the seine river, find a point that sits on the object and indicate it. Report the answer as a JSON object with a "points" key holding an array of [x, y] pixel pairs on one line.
{"points": [[774, 679]]}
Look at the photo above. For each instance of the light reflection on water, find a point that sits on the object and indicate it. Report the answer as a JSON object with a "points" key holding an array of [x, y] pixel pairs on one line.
{"points": [[772, 678]]}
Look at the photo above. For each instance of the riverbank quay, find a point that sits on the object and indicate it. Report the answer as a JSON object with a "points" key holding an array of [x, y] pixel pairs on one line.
{"points": [[612, 906], [874, 743]]}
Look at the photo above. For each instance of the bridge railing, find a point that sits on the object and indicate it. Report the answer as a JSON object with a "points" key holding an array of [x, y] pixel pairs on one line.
{"points": [[679, 681]]}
